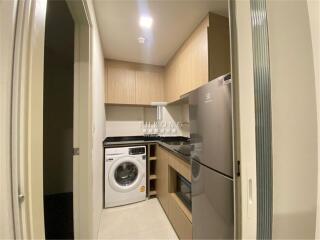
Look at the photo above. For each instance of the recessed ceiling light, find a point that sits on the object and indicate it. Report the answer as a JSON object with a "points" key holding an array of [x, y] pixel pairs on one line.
{"points": [[146, 22], [141, 40]]}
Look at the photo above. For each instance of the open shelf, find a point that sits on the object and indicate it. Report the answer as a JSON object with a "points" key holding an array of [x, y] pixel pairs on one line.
{"points": [[152, 168], [152, 187], [152, 150], [152, 164]]}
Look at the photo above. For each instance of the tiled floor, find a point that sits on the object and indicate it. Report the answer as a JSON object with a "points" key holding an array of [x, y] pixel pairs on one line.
{"points": [[143, 220]]}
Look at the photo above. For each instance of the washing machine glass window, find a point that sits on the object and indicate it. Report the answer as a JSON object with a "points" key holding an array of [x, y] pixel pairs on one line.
{"points": [[126, 173]]}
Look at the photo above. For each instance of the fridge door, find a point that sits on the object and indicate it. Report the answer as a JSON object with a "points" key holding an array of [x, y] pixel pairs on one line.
{"points": [[211, 125], [212, 204]]}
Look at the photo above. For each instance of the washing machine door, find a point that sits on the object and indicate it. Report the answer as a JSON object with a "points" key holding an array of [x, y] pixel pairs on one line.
{"points": [[126, 174]]}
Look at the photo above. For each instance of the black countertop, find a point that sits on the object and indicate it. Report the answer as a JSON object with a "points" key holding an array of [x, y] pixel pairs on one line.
{"points": [[111, 142]]}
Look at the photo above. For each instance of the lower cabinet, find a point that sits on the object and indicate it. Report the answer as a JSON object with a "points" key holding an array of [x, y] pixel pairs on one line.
{"points": [[162, 178], [167, 163], [179, 220]]}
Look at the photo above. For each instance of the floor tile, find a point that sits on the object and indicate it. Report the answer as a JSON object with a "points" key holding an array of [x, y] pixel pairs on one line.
{"points": [[143, 220]]}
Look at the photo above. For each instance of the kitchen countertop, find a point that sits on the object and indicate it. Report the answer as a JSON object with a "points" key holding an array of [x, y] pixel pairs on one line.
{"points": [[138, 141]]}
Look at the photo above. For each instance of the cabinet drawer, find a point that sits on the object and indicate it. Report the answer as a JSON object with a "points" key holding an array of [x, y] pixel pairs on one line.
{"points": [[179, 220], [180, 166]]}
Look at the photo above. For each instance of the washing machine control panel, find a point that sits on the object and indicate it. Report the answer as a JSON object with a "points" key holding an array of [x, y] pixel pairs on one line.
{"points": [[137, 151]]}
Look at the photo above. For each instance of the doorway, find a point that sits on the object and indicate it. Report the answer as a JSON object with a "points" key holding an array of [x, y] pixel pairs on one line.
{"points": [[28, 137], [58, 121]]}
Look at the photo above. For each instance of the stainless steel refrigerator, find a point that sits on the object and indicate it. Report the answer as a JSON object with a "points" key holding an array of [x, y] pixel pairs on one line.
{"points": [[210, 111]]}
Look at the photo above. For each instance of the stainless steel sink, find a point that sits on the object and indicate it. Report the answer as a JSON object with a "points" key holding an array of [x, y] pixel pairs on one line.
{"points": [[184, 149], [176, 143]]}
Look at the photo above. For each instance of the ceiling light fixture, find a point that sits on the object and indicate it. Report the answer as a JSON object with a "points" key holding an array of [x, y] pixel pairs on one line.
{"points": [[146, 22], [141, 40]]}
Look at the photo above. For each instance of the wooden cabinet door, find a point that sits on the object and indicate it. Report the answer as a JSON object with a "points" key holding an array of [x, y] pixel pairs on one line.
{"points": [[219, 46], [120, 83], [188, 69], [162, 178], [170, 82], [179, 220], [149, 86]]}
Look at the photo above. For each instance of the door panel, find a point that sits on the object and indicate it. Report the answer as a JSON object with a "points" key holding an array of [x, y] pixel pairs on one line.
{"points": [[212, 204], [211, 126], [8, 10], [27, 112], [162, 178], [179, 220], [149, 86], [120, 84]]}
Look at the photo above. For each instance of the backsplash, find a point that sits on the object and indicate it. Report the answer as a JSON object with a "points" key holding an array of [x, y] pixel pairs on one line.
{"points": [[138, 121]]}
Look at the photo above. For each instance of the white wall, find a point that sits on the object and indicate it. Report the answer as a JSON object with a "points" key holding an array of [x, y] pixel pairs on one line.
{"points": [[98, 122], [177, 113], [129, 120], [124, 121], [314, 18], [294, 120]]}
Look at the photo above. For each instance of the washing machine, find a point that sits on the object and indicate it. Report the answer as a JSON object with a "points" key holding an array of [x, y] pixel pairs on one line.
{"points": [[125, 175]]}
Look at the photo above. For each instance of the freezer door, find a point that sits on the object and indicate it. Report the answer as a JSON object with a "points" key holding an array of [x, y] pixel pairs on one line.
{"points": [[212, 204], [211, 125]]}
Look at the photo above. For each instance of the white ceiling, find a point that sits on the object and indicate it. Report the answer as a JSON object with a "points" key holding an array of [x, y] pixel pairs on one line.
{"points": [[173, 21]]}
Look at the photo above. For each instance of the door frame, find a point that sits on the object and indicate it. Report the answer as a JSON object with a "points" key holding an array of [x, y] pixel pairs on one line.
{"points": [[27, 119], [8, 15], [244, 118], [82, 124]]}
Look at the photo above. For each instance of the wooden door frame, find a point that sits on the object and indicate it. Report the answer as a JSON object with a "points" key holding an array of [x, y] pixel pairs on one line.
{"points": [[27, 119]]}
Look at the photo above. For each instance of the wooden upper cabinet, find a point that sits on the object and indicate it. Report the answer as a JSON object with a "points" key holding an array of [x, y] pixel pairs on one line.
{"points": [[120, 84], [204, 56], [149, 86], [132, 83], [188, 68], [218, 46]]}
